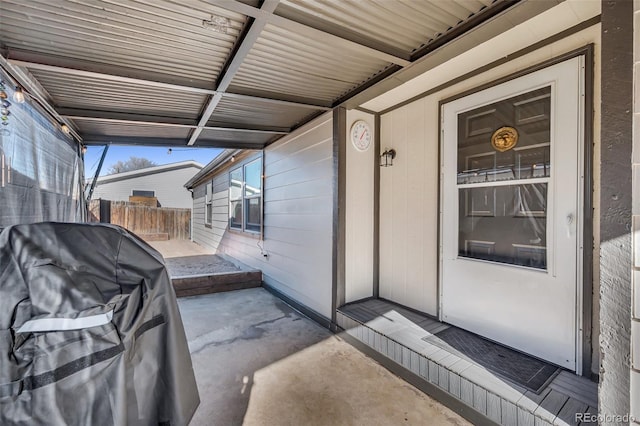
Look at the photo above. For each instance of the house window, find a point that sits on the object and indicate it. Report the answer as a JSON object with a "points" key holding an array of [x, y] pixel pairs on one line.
{"points": [[235, 199], [142, 193], [209, 204], [252, 194], [245, 195]]}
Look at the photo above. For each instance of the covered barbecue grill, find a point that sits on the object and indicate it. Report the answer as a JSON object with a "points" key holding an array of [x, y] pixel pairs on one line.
{"points": [[90, 332]]}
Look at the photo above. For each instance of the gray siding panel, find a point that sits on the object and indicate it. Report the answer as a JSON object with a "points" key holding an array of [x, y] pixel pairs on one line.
{"points": [[298, 193], [210, 236], [221, 183], [298, 217], [199, 191]]}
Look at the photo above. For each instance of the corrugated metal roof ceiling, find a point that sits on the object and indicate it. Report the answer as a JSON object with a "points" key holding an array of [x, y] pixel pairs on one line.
{"points": [[109, 66], [404, 24], [101, 129], [140, 133], [103, 95], [283, 61], [246, 112], [159, 37], [236, 139]]}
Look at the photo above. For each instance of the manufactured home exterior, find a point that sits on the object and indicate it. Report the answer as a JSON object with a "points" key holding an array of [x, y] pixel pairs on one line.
{"points": [[428, 232], [416, 214], [162, 182], [392, 185]]}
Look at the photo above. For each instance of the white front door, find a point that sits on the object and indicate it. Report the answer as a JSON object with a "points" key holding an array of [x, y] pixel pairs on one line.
{"points": [[511, 212]]}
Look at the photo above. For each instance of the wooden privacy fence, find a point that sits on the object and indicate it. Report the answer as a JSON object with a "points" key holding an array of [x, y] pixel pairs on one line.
{"points": [[147, 222]]}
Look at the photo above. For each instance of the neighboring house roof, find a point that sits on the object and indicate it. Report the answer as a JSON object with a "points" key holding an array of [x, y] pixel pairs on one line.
{"points": [[217, 162], [148, 171]]}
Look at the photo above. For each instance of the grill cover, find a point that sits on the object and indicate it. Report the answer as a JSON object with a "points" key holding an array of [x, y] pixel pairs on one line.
{"points": [[111, 349]]}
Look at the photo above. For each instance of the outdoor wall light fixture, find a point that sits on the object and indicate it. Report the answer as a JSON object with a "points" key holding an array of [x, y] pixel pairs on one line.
{"points": [[18, 95], [386, 158], [65, 129]]}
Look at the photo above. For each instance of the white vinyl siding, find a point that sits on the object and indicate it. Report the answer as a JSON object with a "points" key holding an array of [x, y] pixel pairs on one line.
{"points": [[409, 207], [168, 186]]}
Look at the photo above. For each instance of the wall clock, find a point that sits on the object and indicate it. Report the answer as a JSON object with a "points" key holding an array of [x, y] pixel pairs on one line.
{"points": [[361, 135]]}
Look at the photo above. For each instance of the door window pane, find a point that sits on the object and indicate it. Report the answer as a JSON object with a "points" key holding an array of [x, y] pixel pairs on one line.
{"points": [[484, 155], [508, 141], [504, 224]]}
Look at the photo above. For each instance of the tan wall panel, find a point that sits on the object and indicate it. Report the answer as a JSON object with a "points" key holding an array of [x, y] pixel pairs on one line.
{"points": [[359, 214]]}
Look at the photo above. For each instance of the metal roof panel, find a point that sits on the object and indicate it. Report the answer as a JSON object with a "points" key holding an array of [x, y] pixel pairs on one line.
{"points": [[133, 130], [82, 92], [234, 138], [403, 24], [160, 36], [283, 61], [254, 112]]}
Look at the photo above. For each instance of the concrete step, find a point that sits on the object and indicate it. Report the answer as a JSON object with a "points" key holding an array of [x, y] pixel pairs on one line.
{"points": [[214, 283]]}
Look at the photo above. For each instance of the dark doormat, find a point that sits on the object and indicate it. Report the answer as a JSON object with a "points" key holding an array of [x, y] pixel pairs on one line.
{"points": [[517, 367]]}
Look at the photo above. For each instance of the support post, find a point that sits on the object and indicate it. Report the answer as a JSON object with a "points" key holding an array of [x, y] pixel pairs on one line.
{"points": [[339, 209], [615, 208]]}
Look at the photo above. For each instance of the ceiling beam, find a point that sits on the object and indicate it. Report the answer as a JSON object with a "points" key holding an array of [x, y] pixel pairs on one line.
{"points": [[35, 64], [88, 114], [92, 113], [269, 97], [132, 140], [144, 76], [109, 77], [166, 142], [343, 41], [175, 125], [256, 27]]}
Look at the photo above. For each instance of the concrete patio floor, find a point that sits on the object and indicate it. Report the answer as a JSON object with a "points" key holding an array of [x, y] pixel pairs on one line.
{"points": [[179, 248], [259, 362]]}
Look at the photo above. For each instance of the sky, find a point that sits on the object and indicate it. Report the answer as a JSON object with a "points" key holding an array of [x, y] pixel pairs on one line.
{"points": [[158, 155]]}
